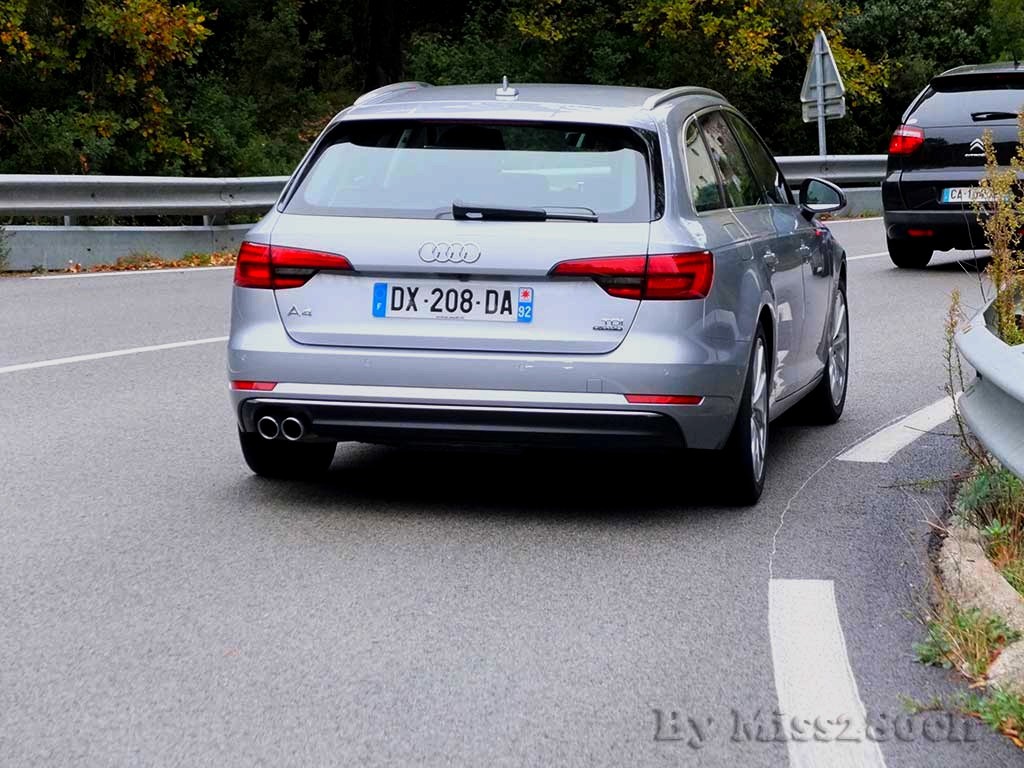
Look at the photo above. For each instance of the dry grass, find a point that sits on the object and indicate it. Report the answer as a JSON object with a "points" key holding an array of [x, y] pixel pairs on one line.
{"points": [[963, 639], [1003, 222], [992, 498], [140, 261]]}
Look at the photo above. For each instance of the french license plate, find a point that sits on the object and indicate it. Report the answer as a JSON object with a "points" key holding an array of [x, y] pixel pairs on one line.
{"points": [[493, 302], [967, 195]]}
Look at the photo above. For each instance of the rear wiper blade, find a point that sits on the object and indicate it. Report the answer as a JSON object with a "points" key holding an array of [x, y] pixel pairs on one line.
{"points": [[491, 213], [993, 115]]}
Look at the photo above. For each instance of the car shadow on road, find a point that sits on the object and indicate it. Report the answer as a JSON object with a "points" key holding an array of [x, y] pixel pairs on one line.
{"points": [[538, 483]]}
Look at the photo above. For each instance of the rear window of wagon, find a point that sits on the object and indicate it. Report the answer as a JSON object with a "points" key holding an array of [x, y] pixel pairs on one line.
{"points": [[418, 168]]}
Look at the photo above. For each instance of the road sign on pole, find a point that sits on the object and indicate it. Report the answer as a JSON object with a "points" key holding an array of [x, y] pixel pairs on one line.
{"points": [[823, 94]]}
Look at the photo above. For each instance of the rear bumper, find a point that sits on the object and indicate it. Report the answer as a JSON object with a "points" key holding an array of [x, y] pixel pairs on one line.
{"points": [[394, 395], [391, 415], [948, 229], [390, 422]]}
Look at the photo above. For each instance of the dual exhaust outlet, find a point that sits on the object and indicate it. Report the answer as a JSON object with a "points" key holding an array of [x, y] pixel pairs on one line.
{"points": [[290, 428]]}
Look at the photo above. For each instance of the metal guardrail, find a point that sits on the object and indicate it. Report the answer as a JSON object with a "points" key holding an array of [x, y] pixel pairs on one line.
{"points": [[844, 170], [993, 405], [70, 197], [41, 195]]}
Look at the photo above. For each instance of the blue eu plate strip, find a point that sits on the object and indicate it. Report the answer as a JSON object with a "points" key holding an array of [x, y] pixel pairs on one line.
{"points": [[380, 299]]}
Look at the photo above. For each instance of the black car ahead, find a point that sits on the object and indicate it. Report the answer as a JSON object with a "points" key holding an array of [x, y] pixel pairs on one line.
{"points": [[937, 158]]}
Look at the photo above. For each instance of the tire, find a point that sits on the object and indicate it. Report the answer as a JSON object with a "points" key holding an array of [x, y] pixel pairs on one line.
{"points": [[282, 460], [825, 403], [746, 452], [907, 255]]}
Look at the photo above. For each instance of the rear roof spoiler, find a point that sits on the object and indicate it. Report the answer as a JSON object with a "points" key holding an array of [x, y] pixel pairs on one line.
{"points": [[382, 93], [971, 79], [655, 101]]}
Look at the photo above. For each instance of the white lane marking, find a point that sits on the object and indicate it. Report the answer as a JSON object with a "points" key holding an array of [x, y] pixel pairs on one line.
{"points": [[867, 256], [114, 353], [176, 270], [886, 443], [814, 680]]}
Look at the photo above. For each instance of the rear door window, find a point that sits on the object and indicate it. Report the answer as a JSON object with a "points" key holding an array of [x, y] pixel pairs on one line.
{"points": [[765, 170], [700, 169], [741, 186]]}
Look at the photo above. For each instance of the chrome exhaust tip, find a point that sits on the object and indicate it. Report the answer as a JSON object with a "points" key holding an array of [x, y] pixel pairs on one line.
{"points": [[268, 428], [293, 429]]}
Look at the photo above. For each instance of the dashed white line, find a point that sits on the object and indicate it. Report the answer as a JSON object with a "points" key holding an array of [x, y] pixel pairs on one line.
{"points": [[113, 353], [824, 716], [886, 443], [124, 273], [867, 256]]}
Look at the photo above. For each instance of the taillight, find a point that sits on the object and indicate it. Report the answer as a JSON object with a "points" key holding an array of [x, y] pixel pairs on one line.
{"points": [[621, 276], [680, 275], [664, 276], [905, 140], [252, 269], [293, 267], [277, 267]]}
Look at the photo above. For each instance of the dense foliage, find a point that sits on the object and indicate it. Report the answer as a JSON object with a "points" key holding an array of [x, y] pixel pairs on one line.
{"points": [[239, 87]]}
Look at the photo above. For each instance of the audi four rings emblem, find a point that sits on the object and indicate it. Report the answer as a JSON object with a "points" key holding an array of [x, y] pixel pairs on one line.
{"points": [[456, 253]]}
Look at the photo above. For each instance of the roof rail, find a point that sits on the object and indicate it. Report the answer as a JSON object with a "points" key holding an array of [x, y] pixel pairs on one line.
{"points": [[379, 94], [674, 93]]}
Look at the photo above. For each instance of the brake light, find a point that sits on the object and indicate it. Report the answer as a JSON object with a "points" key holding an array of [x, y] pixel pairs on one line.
{"points": [[294, 267], [277, 267], [252, 269], [665, 399], [665, 276], [621, 276], [680, 275], [905, 140]]}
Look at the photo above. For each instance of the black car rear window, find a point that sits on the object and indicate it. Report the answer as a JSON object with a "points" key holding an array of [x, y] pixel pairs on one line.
{"points": [[955, 103]]}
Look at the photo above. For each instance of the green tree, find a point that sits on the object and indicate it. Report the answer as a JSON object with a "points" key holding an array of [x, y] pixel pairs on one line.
{"points": [[1007, 22]]}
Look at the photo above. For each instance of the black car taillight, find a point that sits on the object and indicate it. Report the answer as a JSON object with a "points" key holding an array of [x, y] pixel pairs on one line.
{"points": [[905, 140]]}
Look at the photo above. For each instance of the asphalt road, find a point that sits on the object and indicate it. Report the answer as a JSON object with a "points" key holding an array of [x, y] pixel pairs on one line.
{"points": [[162, 606]]}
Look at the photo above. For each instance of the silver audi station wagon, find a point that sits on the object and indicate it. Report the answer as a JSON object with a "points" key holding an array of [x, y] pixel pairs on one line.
{"points": [[557, 265]]}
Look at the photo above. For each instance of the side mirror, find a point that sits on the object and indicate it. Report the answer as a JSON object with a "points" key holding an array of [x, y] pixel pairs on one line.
{"points": [[820, 196]]}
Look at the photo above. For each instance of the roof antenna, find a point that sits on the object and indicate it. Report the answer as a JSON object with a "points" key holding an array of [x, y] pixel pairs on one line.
{"points": [[505, 92]]}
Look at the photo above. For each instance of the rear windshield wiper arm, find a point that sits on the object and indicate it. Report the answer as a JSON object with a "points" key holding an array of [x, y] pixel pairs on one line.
{"points": [[993, 115], [485, 212]]}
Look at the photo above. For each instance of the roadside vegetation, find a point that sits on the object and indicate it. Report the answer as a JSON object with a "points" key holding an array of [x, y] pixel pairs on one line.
{"points": [[965, 640], [989, 499], [1003, 221], [240, 87], [137, 262], [140, 261]]}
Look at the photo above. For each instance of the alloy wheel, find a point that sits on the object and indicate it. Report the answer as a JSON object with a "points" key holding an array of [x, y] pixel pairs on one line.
{"points": [[839, 349], [759, 409]]}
